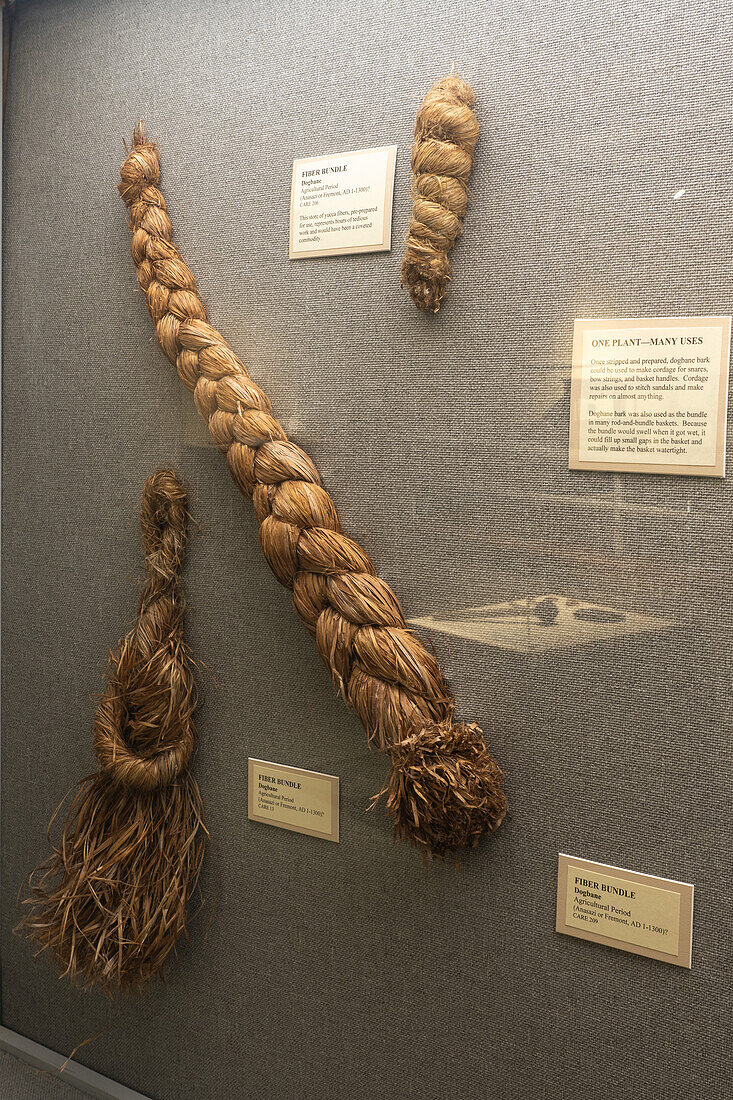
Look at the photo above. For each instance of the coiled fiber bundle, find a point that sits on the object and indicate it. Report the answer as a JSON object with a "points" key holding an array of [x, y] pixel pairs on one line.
{"points": [[111, 902], [446, 132], [444, 789]]}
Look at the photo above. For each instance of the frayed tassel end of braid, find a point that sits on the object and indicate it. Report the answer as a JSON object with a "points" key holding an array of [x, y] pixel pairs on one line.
{"points": [[445, 790], [426, 277], [110, 903]]}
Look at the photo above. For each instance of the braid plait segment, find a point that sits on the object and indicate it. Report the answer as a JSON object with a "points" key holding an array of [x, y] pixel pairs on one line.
{"points": [[446, 132], [382, 670]]}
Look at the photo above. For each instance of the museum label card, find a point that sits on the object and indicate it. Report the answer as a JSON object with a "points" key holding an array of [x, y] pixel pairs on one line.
{"points": [[650, 395], [293, 798], [342, 203], [639, 913]]}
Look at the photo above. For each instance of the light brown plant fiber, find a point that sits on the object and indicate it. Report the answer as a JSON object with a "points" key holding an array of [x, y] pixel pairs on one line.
{"points": [[110, 903], [446, 132], [444, 789]]}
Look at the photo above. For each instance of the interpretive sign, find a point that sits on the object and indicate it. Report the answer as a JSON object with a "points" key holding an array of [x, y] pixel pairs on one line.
{"points": [[650, 395], [639, 913], [293, 798], [342, 203]]}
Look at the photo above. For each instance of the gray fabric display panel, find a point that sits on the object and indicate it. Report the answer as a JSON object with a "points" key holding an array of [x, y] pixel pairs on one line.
{"points": [[21, 1082], [351, 970]]}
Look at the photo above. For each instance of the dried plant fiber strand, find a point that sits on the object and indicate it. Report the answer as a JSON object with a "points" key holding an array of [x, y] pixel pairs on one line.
{"points": [[444, 790], [446, 132], [111, 902]]}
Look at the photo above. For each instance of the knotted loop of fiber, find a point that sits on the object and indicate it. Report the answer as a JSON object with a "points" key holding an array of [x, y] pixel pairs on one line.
{"points": [[446, 132], [111, 902], [143, 729], [445, 790]]}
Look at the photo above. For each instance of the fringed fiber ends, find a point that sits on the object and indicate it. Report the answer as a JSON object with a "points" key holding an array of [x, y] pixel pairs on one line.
{"points": [[445, 790], [446, 132], [110, 903]]}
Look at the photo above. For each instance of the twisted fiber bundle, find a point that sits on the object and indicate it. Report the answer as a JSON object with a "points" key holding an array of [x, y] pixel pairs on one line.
{"points": [[446, 132], [444, 789], [111, 901]]}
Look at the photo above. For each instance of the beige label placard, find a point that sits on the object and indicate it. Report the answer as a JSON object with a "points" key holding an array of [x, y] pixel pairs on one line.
{"points": [[640, 913], [649, 395], [342, 203], [293, 798]]}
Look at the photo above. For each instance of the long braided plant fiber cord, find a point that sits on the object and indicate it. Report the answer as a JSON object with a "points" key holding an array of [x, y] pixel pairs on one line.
{"points": [[446, 132], [111, 902], [444, 790]]}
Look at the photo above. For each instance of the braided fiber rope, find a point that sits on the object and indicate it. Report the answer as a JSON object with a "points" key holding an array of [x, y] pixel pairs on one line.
{"points": [[444, 789], [111, 902], [446, 132]]}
